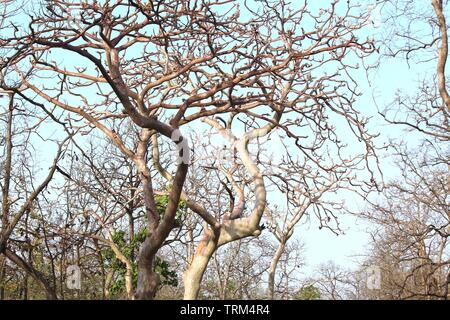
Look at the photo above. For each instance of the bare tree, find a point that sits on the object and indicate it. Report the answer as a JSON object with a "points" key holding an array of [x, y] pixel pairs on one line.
{"points": [[306, 194], [337, 283], [412, 213], [411, 246], [162, 65], [237, 270], [418, 34], [218, 235], [19, 192]]}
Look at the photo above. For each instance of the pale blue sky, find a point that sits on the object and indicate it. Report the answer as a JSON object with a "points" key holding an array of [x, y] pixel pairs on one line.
{"points": [[322, 245]]}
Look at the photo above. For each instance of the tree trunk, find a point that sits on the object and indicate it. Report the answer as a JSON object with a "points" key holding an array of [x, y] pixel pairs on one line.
{"points": [[129, 282], [25, 287], [194, 273], [2, 276], [148, 280], [109, 277], [273, 269], [158, 227]]}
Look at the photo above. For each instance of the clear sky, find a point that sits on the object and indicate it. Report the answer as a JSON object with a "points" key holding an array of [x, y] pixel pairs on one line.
{"points": [[322, 245]]}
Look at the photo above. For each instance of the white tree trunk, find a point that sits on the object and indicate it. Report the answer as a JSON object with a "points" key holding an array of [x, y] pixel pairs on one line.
{"points": [[273, 268], [193, 275]]}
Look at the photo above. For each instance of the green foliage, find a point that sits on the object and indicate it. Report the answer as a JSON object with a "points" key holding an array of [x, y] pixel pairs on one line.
{"points": [[162, 267], [308, 293], [161, 204], [169, 277]]}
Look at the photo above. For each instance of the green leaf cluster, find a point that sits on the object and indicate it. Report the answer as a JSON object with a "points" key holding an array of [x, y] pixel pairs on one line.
{"points": [[308, 293], [161, 204], [162, 267]]}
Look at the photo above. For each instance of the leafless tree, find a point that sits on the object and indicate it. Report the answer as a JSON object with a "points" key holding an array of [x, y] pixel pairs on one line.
{"points": [[412, 213], [237, 271], [418, 34], [20, 190], [411, 246], [164, 65]]}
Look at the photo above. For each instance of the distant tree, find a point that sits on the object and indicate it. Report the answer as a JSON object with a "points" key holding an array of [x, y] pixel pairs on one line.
{"points": [[411, 242], [309, 292]]}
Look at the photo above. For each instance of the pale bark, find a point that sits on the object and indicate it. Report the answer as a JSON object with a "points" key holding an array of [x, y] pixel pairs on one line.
{"points": [[273, 268], [443, 52], [229, 230], [194, 273], [108, 280], [5, 195], [128, 265]]}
